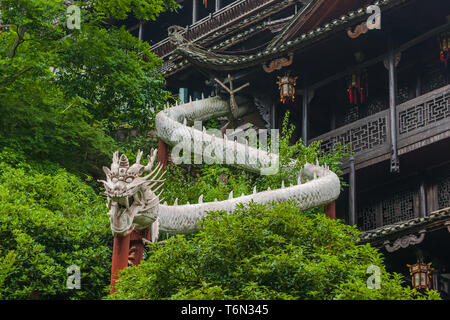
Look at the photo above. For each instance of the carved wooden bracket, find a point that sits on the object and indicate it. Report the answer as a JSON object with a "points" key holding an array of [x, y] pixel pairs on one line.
{"points": [[359, 30], [278, 64], [405, 241]]}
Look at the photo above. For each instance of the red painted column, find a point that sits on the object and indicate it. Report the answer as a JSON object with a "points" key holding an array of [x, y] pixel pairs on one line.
{"points": [[121, 250], [330, 210], [136, 252], [163, 153]]}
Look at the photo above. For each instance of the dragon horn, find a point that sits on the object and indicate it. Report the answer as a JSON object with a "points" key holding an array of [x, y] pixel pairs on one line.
{"points": [[138, 157]]}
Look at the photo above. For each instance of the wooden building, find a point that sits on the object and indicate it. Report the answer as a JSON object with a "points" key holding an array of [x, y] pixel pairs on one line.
{"points": [[383, 88]]}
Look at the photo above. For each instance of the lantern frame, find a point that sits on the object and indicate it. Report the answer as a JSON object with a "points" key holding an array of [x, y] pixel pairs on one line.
{"points": [[420, 275], [286, 86]]}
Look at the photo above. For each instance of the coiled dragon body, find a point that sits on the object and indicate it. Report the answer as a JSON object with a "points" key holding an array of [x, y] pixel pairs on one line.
{"points": [[133, 200]]}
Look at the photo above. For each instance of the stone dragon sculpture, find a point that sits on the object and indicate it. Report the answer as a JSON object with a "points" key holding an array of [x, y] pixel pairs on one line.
{"points": [[132, 191]]}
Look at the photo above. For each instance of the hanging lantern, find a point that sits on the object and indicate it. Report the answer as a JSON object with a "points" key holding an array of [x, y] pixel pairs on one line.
{"points": [[444, 43], [205, 2], [420, 273], [358, 87], [286, 85]]}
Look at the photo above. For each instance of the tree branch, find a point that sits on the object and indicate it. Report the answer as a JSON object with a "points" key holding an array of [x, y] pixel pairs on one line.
{"points": [[17, 42]]}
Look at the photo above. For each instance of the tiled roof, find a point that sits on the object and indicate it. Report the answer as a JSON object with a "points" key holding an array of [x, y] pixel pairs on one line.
{"points": [[392, 230], [230, 62]]}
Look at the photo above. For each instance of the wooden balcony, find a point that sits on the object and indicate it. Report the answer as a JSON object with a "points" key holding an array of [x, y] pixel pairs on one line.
{"points": [[221, 19], [420, 121]]}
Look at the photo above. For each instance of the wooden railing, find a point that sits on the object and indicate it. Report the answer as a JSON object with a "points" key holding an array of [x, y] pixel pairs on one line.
{"points": [[422, 118], [220, 19], [368, 137], [420, 121]]}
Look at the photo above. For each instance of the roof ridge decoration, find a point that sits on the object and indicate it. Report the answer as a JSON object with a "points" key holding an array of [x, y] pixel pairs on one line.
{"points": [[197, 55]]}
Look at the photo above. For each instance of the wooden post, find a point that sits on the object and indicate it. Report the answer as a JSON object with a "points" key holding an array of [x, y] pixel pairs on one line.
{"points": [[218, 5], [305, 116], [194, 11], [121, 250], [395, 163], [141, 30], [418, 86], [423, 200], [163, 153], [352, 197], [330, 210]]}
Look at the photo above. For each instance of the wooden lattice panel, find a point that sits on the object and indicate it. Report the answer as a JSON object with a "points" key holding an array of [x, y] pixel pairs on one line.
{"points": [[424, 114], [398, 207], [444, 194], [367, 219], [363, 137]]}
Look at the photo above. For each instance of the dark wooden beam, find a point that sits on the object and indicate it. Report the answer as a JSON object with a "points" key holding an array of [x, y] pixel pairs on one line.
{"points": [[352, 193], [194, 11], [218, 5], [422, 200], [305, 116], [141, 31], [378, 59], [395, 163]]}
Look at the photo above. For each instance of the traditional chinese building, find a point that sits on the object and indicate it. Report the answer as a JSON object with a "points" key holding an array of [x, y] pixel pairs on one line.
{"points": [[375, 78]]}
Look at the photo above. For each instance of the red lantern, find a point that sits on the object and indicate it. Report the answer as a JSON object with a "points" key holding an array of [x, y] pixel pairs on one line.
{"points": [[420, 273], [444, 42], [286, 85], [205, 2], [358, 87]]}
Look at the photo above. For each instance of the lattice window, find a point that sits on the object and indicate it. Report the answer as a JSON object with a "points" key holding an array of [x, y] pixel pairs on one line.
{"points": [[425, 113], [364, 137], [444, 193], [398, 207], [433, 79], [351, 115], [376, 105], [403, 93], [367, 218]]}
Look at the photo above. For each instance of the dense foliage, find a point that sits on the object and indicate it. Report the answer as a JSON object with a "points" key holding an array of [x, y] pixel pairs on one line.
{"points": [[64, 92], [50, 220], [263, 252]]}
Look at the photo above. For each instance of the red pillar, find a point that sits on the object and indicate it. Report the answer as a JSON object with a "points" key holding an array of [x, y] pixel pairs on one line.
{"points": [[330, 210], [121, 250], [163, 153], [136, 252]]}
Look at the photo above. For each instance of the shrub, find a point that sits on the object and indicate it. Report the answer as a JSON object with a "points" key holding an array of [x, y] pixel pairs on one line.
{"points": [[263, 252]]}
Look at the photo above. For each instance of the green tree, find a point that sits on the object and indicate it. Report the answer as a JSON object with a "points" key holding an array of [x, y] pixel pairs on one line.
{"points": [[48, 222], [263, 252], [64, 92]]}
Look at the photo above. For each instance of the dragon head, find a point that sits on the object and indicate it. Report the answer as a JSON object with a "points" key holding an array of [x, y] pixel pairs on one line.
{"points": [[132, 199]]}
